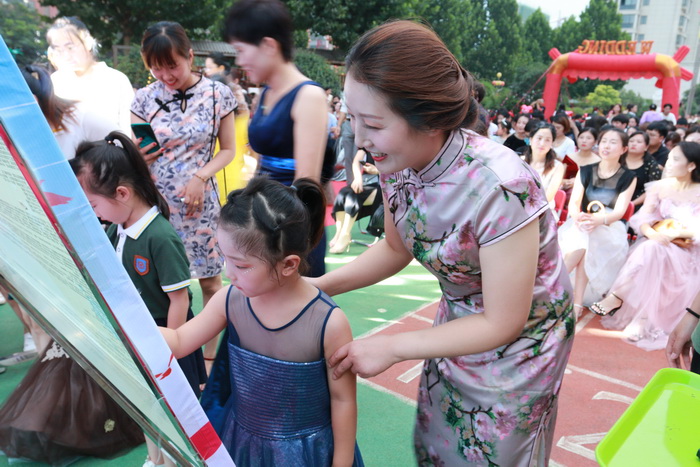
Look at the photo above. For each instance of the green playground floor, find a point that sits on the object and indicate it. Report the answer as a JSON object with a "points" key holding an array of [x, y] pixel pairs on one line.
{"points": [[385, 422]]}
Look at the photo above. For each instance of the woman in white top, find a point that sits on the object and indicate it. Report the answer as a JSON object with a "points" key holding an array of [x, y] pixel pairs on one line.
{"points": [[71, 124], [80, 77], [563, 145], [541, 157]]}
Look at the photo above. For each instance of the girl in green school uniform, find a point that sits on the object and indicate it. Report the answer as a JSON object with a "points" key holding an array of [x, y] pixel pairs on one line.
{"points": [[120, 189]]}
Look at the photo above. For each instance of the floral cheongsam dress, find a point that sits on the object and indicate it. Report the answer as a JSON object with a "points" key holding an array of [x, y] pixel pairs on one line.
{"points": [[186, 124], [496, 408]]}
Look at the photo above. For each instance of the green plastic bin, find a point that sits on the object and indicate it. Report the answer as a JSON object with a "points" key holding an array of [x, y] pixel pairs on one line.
{"points": [[660, 428]]}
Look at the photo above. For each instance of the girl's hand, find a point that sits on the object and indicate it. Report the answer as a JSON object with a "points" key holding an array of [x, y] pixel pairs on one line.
{"points": [[357, 186], [364, 357], [371, 169], [193, 196], [149, 158]]}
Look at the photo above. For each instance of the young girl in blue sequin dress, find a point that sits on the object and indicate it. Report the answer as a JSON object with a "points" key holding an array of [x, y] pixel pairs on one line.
{"points": [[284, 408]]}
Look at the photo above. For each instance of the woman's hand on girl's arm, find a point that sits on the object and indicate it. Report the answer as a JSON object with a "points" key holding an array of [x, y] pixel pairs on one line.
{"points": [[179, 306], [343, 393], [511, 265], [310, 116], [199, 330]]}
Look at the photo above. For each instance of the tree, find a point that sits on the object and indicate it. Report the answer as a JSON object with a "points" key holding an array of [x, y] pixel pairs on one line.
{"points": [[525, 85], [694, 107], [537, 37], [131, 64], [500, 48], [23, 31], [599, 21], [315, 67], [630, 97], [344, 20], [124, 21], [567, 37], [459, 24], [603, 97]]}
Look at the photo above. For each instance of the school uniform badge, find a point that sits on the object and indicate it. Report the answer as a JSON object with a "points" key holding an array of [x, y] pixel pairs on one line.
{"points": [[142, 265]]}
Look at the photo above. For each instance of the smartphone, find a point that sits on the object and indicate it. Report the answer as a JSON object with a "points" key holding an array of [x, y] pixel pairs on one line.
{"points": [[145, 131]]}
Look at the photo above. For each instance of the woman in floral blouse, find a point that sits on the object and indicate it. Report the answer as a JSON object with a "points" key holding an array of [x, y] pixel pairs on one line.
{"points": [[188, 113]]}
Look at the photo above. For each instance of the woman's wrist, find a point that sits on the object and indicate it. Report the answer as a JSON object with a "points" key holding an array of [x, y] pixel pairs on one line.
{"points": [[203, 179]]}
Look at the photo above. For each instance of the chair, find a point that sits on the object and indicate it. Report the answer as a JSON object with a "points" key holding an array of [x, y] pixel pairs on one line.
{"points": [[559, 202], [571, 168], [628, 213]]}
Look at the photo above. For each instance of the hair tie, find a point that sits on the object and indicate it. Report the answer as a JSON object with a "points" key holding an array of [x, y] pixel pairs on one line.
{"points": [[293, 187], [114, 142]]}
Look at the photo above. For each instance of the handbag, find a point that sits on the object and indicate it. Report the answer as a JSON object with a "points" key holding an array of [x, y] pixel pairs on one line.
{"points": [[666, 225], [595, 204]]}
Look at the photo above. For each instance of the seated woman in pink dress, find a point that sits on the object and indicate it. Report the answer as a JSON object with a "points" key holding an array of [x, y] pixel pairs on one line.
{"points": [[660, 278]]}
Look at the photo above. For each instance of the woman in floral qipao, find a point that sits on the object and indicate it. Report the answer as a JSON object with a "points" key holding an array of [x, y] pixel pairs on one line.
{"points": [[476, 217]]}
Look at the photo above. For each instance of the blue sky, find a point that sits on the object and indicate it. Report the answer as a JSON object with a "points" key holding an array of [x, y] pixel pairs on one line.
{"points": [[558, 9]]}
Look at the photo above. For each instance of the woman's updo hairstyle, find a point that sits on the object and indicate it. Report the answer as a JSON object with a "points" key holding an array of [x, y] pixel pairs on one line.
{"points": [[422, 81]]}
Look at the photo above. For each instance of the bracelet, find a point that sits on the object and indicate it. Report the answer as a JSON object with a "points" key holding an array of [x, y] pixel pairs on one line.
{"points": [[692, 313], [201, 178]]}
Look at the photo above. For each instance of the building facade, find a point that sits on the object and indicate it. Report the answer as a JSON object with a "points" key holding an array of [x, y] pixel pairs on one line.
{"points": [[670, 24]]}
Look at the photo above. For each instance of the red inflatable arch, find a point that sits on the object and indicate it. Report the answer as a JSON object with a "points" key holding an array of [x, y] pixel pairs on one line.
{"points": [[616, 60]]}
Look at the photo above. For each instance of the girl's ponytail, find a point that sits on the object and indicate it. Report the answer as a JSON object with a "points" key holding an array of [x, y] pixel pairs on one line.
{"points": [[312, 195], [143, 183], [104, 165], [270, 221]]}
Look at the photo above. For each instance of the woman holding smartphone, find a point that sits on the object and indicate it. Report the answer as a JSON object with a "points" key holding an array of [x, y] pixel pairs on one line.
{"points": [[188, 113]]}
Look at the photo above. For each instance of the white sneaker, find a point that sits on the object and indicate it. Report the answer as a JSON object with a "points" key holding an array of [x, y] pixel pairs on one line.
{"points": [[29, 345], [2, 300], [16, 358], [149, 463]]}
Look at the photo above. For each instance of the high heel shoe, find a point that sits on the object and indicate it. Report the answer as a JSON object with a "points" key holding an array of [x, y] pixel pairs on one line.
{"points": [[342, 245], [600, 310]]}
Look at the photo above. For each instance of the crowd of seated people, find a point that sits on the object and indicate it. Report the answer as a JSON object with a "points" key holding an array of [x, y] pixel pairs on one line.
{"points": [[620, 164]]}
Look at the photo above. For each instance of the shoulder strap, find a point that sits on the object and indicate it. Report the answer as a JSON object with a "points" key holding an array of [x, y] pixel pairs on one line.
{"points": [[332, 306], [233, 335], [586, 173]]}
